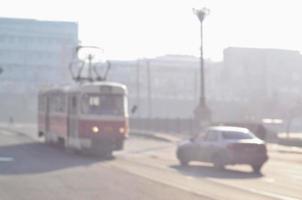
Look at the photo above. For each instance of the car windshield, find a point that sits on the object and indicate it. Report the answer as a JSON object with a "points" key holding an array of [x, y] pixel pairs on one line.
{"points": [[96, 104], [233, 135]]}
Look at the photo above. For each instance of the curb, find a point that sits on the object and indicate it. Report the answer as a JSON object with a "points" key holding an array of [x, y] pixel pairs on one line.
{"points": [[154, 135], [285, 149], [20, 131]]}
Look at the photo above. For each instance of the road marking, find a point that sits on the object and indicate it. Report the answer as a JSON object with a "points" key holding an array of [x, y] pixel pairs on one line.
{"points": [[6, 159], [258, 192], [254, 191], [269, 180], [4, 132], [296, 177], [274, 195]]}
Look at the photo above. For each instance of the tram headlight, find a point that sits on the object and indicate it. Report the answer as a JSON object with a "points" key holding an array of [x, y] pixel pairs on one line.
{"points": [[122, 130], [95, 129]]}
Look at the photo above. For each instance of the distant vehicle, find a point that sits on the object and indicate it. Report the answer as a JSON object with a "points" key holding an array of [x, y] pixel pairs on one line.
{"points": [[224, 145], [89, 117]]}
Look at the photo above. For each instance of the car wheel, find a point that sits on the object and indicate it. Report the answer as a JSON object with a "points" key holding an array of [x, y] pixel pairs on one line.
{"points": [[257, 168], [182, 160], [218, 162]]}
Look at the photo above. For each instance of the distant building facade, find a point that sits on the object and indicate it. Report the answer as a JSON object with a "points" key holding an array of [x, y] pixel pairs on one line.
{"points": [[33, 53], [262, 82], [249, 85], [166, 86]]}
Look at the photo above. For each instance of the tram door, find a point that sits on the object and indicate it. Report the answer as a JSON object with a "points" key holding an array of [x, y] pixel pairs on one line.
{"points": [[73, 105]]}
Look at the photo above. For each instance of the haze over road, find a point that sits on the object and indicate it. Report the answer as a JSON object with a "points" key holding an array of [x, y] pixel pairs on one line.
{"points": [[146, 169]]}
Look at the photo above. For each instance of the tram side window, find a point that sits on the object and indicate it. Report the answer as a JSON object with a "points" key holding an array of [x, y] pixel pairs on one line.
{"points": [[57, 104], [61, 104]]}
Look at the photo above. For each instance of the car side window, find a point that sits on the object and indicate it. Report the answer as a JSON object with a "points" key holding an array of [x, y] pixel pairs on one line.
{"points": [[199, 137], [212, 136]]}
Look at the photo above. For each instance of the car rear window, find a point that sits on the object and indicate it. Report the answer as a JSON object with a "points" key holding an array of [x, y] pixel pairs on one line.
{"points": [[232, 135]]}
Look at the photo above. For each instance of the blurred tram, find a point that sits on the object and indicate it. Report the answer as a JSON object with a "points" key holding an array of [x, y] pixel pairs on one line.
{"points": [[91, 116]]}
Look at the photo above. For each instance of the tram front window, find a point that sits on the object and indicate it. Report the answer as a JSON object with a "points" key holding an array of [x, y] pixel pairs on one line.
{"points": [[103, 105]]}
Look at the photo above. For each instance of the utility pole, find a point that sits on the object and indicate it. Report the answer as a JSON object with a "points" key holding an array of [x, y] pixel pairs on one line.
{"points": [[202, 112], [138, 83], [149, 89]]}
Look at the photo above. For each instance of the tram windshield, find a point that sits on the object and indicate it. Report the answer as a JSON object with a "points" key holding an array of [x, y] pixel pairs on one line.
{"points": [[100, 104]]}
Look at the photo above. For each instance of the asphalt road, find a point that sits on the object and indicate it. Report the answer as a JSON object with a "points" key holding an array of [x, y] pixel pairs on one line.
{"points": [[146, 169]]}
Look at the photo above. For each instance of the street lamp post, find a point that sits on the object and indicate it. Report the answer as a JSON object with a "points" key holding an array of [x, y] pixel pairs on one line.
{"points": [[149, 88], [138, 96], [202, 113]]}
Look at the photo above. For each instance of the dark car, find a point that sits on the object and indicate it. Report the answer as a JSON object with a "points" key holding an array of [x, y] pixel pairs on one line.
{"points": [[224, 145]]}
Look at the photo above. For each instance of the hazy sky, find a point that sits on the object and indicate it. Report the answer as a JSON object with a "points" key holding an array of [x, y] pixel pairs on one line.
{"points": [[129, 29]]}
